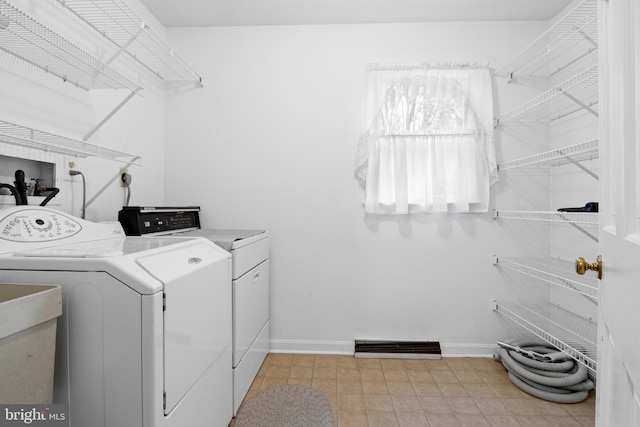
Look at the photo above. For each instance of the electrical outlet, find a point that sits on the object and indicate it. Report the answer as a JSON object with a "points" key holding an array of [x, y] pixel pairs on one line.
{"points": [[124, 176], [69, 165]]}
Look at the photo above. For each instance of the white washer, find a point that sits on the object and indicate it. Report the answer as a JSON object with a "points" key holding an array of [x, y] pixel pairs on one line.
{"points": [[145, 334]]}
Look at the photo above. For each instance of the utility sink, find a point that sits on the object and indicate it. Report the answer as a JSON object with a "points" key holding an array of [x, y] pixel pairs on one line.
{"points": [[28, 320]]}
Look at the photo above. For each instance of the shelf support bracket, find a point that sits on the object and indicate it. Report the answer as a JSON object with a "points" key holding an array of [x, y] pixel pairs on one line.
{"points": [[580, 166], [577, 227], [580, 103], [106, 119], [116, 176]]}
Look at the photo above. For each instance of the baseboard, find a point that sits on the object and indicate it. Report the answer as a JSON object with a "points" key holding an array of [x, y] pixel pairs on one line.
{"points": [[347, 347]]}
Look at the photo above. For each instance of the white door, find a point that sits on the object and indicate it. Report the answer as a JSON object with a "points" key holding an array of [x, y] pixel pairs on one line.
{"points": [[617, 402]]}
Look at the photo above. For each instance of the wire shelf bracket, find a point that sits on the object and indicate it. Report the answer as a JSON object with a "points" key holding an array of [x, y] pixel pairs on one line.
{"points": [[552, 324]]}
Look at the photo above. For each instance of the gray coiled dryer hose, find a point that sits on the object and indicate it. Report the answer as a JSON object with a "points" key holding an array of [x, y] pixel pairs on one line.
{"points": [[560, 381]]}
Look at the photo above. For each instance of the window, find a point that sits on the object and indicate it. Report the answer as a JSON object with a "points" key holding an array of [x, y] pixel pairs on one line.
{"points": [[428, 141]]}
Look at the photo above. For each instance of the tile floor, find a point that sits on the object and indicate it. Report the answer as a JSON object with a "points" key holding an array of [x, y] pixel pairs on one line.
{"points": [[435, 393]]}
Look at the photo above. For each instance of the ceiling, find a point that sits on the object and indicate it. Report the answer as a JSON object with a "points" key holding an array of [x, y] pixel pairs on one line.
{"points": [[205, 13]]}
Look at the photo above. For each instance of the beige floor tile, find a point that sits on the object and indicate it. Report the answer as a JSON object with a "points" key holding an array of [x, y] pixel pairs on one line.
{"points": [[350, 386], [468, 377], [443, 420], [352, 419], [301, 372], [563, 421], [503, 421], [401, 388], [479, 390], [492, 406], [437, 365], [351, 402], [406, 404], [521, 407], [371, 374], [427, 389], [271, 382], [280, 359], [463, 405], [411, 419], [459, 363], [493, 377], [349, 373], [527, 421], [395, 374], [472, 420], [277, 371], [585, 408], [325, 386], [375, 387], [379, 403], [435, 405], [414, 365], [586, 421], [422, 376], [453, 390], [369, 363], [507, 391], [304, 360], [349, 362], [548, 408], [382, 419], [302, 381], [325, 372], [444, 376], [326, 360], [391, 364]]}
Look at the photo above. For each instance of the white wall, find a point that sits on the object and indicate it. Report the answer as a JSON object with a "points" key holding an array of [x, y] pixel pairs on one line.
{"points": [[30, 97], [269, 143]]}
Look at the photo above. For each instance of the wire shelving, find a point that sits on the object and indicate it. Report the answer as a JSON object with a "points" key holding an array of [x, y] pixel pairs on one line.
{"points": [[570, 38], [567, 331], [120, 24]]}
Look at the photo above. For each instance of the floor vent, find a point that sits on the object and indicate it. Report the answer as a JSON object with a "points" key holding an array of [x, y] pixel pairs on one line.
{"points": [[398, 349]]}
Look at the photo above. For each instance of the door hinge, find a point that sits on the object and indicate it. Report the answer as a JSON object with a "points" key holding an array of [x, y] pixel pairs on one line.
{"points": [[164, 302]]}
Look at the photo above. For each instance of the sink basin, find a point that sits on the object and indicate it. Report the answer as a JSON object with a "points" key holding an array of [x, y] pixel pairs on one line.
{"points": [[28, 319]]}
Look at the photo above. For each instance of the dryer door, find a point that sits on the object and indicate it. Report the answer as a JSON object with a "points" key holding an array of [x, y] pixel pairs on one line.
{"points": [[197, 316]]}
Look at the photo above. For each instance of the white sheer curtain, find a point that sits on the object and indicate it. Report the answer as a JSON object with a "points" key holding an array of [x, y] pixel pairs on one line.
{"points": [[428, 141]]}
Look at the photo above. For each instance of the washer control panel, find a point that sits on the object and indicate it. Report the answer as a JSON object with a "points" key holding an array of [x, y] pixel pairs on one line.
{"points": [[31, 225]]}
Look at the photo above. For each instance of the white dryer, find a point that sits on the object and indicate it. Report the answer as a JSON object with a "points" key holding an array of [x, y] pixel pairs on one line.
{"points": [[250, 280], [145, 334]]}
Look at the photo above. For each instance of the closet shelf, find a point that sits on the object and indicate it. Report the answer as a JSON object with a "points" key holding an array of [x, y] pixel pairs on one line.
{"points": [[583, 151], [120, 24], [570, 333], [554, 271], [587, 218], [570, 38], [29, 40], [22, 136], [575, 94]]}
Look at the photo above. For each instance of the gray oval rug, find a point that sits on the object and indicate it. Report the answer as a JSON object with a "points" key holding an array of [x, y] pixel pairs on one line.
{"points": [[288, 405]]}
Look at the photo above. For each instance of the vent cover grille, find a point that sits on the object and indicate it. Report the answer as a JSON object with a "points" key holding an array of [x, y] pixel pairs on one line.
{"points": [[398, 349]]}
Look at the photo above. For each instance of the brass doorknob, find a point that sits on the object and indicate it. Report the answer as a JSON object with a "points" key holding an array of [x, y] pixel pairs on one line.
{"points": [[582, 266]]}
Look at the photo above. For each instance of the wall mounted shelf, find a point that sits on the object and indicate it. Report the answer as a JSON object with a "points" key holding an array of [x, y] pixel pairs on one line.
{"points": [[552, 271], [578, 93], [570, 38], [120, 24], [26, 38], [570, 333], [587, 218], [576, 153], [23, 136]]}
